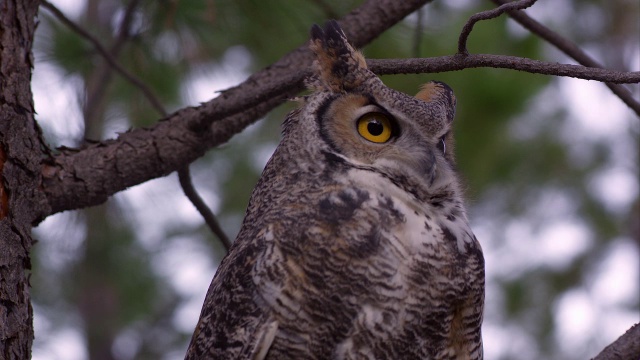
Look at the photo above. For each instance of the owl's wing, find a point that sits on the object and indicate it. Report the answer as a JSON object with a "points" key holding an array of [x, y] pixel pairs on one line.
{"points": [[232, 325], [249, 343], [263, 338]]}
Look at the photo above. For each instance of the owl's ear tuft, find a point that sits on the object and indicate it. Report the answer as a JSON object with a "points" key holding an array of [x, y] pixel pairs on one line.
{"points": [[441, 96], [442, 104], [338, 66]]}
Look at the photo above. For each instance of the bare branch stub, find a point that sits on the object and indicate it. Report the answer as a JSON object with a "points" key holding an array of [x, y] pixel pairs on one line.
{"points": [[626, 346], [487, 15]]}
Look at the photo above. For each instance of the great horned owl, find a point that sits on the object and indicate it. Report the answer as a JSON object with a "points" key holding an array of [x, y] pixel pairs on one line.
{"points": [[356, 244]]}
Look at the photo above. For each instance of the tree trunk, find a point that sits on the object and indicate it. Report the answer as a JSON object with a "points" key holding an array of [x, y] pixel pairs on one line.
{"points": [[22, 201]]}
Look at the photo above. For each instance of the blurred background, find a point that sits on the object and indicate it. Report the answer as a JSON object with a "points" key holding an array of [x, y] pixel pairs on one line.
{"points": [[551, 169]]}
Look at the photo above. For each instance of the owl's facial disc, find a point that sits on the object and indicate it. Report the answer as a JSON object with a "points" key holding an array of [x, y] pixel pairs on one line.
{"points": [[353, 125], [362, 130]]}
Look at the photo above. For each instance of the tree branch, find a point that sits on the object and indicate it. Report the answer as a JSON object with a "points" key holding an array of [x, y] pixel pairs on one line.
{"points": [[460, 62], [625, 347], [190, 191], [568, 47], [86, 177], [107, 56], [89, 176], [183, 173]]}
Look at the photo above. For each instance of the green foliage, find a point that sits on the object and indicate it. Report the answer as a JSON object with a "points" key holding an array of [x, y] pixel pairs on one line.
{"points": [[66, 48]]}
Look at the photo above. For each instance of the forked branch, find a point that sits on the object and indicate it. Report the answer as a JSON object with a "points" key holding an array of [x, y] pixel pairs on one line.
{"points": [[183, 173], [74, 180], [148, 93], [570, 48], [487, 15]]}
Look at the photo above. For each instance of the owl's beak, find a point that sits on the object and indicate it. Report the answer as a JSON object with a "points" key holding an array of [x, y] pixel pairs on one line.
{"points": [[426, 165]]}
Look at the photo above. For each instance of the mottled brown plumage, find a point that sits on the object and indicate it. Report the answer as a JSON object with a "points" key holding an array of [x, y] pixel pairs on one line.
{"points": [[356, 243]]}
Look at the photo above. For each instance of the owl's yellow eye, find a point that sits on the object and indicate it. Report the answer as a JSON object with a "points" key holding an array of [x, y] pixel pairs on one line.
{"points": [[375, 127]]}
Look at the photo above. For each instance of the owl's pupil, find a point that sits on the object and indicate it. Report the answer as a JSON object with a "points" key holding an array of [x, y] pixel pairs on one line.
{"points": [[375, 127]]}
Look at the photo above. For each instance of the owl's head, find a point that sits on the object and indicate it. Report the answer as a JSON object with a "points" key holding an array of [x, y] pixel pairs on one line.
{"points": [[368, 124]]}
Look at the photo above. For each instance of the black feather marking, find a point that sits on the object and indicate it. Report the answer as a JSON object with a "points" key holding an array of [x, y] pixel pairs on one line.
{"points": [[448, 234], [316, 33]]}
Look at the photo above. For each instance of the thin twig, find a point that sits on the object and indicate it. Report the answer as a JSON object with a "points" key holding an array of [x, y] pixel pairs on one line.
{"points": [[487, 15], [460, 62], [183, 173], [125, 27], [570, 48], [98, 82], [189, 190], [417, 39], [107, 56]]}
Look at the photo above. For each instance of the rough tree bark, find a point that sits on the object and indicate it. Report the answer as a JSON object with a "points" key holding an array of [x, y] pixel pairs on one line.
{"points": [[23, 202], [626, 347]]}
